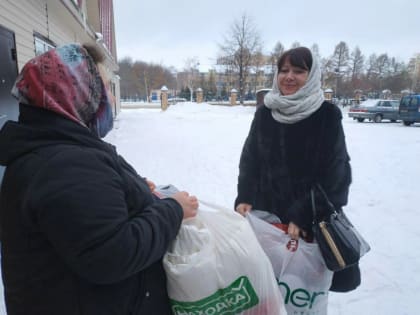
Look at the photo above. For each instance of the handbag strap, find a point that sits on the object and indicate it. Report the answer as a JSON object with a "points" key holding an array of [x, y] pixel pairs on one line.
{"points": [[326, 200], [324, 195], [316, 184], [313, 204]]}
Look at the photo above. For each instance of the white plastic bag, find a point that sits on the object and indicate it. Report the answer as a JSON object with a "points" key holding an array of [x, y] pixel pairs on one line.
{"points": [[216, 266], [302, 275]]}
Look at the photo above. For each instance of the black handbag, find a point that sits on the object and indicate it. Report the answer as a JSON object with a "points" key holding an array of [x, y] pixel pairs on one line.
{"points": [[346, 280], [340, 243]]}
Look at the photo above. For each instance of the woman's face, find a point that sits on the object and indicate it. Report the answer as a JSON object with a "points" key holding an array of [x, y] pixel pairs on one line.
{"points": [[290, 78]]}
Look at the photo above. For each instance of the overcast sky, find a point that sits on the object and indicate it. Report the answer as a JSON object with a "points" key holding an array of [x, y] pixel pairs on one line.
{"points": [[169, 32]]}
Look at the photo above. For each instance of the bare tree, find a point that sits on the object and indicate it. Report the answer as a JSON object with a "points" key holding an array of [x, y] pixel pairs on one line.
{"points": [[397, 77], [396, 66], [240, 46], [160, 76], [384, 70], [274, 56], [258, 79], [142, 79], [356, 65], [339, 62], [400, 78], [371, 66], [210, 89], [295, 44], [414, 71], [139, 78], [277, 52], [128, 83], [190, 75], [383, 65], [371, 73]]}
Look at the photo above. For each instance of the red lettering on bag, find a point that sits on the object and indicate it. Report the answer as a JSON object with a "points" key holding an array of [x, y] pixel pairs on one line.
{"points": [[292, 245]]}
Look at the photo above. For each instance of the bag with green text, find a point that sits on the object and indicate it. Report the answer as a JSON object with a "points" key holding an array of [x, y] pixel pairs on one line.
{"points": [[216, 266], [303, 278]]}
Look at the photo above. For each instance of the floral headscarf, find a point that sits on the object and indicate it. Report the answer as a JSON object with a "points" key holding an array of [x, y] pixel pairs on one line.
{"points": [[66, 80]]}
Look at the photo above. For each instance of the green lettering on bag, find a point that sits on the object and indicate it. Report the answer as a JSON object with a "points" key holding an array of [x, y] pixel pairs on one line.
{"points": [[234, 299], [298, 297]]}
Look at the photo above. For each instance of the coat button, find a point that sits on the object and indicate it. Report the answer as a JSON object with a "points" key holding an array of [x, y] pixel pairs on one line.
{"points": [[147, 294]]}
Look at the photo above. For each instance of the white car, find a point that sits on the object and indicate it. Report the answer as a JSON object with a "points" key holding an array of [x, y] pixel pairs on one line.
{"points": [[375, 110]]}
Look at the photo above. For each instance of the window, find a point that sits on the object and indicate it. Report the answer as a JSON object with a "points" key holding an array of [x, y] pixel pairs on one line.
{"points": [[42, 44], [405, 101]]}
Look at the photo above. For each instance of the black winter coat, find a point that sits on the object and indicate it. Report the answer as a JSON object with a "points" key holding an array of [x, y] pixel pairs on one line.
{"points": [[280, 162], [81, 232]]}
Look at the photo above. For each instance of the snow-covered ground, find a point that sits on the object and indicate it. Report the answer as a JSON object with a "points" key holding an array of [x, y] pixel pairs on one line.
{"points": [[196, 147]]}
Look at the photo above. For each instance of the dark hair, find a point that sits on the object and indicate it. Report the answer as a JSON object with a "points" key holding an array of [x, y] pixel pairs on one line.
{"points": [[300, 57]]}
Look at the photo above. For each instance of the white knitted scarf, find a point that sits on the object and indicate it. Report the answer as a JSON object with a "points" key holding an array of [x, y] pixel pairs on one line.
{"points": [[290, 109]]}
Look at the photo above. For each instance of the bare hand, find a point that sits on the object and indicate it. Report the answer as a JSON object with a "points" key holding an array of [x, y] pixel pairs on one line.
{"points": [[294, 231], [188, 203], [243, 208], [151, 184]]}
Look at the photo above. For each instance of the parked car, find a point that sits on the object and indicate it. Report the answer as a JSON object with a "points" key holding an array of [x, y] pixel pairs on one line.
{"points": [[409, 109], [375, 110]]}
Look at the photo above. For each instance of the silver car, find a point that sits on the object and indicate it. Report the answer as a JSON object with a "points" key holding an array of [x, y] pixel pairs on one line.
{"points": [[375, 110]]}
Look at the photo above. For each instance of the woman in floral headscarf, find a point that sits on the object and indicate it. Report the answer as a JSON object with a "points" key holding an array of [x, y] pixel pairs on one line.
{"points": [[81, 232]]}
